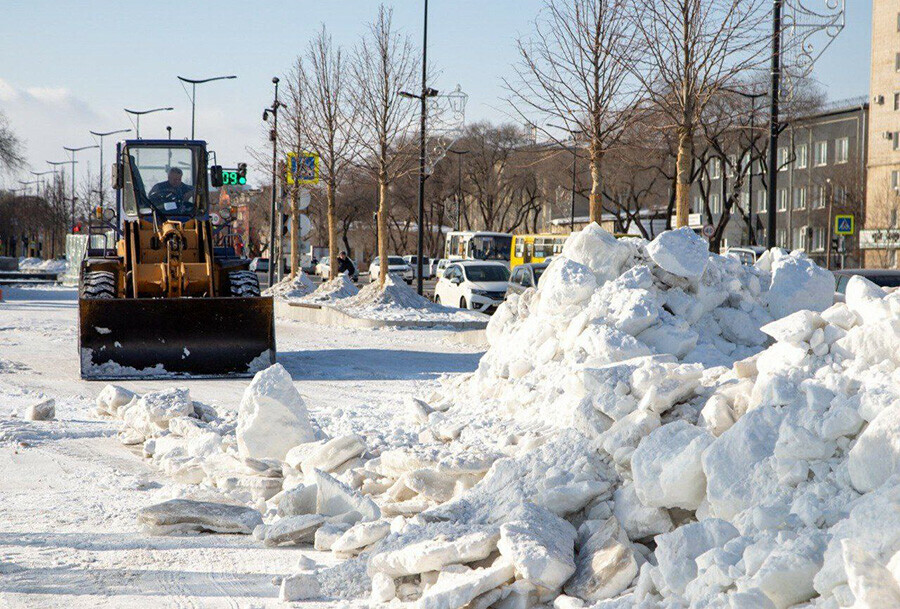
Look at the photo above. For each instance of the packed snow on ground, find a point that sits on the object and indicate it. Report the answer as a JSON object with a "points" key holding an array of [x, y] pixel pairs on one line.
{"points": [[287, 289], [397, 301], [331, 291], [45, 266], [654, 427]]}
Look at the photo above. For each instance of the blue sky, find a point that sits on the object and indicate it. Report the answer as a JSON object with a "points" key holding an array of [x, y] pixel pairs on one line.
{"points": [[72, 65]]}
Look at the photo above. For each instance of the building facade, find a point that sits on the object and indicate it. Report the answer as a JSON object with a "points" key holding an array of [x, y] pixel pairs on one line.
{"points": [[880, 237], [821, 175]]}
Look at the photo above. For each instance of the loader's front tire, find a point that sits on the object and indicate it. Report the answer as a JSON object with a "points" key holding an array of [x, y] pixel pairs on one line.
{"points": [[244, 284], [98, 285]]}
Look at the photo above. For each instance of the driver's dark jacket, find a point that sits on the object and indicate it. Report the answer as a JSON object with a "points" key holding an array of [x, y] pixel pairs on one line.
{"points": [[165, 191]]}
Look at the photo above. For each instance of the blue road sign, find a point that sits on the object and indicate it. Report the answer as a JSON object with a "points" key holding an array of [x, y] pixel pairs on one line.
{"points": [[843, 224]]}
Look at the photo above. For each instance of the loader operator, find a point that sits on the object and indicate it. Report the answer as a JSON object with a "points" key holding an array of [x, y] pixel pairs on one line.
{"points": [[173, 196]]}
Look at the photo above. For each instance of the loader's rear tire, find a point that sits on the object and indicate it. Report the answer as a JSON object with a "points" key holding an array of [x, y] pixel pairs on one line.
{"points": [[244, 284], [98, 285]]}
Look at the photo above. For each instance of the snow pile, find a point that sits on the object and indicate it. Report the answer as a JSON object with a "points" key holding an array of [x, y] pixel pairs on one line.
{"points": [[36, 265], [301, 285], [336, 289], [397, 301]]}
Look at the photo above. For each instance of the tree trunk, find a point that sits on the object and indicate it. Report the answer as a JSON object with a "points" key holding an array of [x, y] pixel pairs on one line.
{"points": [[332, 232], [596, 212], [684, 164], [382, 229], [295, 232]]}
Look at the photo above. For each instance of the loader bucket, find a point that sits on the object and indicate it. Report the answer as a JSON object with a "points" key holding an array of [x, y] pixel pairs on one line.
{"points": [[132, 338]]}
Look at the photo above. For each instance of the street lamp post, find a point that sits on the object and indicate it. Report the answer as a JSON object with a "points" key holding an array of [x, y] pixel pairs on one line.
{"points": [[102, 135], [139, 113], [73, 162], [423, 113], [273, 136], [73, 151], [459, 154], [199, 81]]}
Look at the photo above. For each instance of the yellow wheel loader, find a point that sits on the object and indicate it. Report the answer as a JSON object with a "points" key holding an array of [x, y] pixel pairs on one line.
{"points": [[165, 301]]}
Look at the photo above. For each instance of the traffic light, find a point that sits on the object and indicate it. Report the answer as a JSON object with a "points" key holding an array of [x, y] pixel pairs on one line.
{"points": [[242, 173], [77, 228]]}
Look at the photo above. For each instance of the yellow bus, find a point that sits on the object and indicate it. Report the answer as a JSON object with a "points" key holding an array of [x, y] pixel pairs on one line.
{"points": [[535, 248]]}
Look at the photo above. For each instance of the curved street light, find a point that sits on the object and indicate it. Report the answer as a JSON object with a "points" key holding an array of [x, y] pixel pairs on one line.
{"points": [[199, 81], [102, 135], [139, 113]]}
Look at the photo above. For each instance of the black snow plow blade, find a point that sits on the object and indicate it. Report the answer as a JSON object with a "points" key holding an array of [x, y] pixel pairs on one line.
{"points": [[132, 338]]}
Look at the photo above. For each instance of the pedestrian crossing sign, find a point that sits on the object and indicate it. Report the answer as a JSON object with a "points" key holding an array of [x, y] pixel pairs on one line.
{"points": [[843, 224], [303, 168]]}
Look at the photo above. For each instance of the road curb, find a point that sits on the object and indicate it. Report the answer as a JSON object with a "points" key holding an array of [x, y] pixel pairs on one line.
{"points": [[330, 316]]}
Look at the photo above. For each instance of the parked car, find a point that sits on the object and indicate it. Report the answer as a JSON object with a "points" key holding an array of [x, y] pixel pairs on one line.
{"points": [[885, 278], [525, 276], [747, 254], [426, 265], [473, 284], [439, 266], [323, 268], [396, 266]]}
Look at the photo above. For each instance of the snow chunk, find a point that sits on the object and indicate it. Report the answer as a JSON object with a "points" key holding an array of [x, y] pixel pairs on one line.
{"points": [[335, 498], [873, 585], [541, 547], [431, 548], [605, 564], [333, 453], [867, 300], [795, 328], [677, 551], [272, 418], [458, 587], [876, 455], [799, 283], [638, 520], [44, 410], [565, 282], [186, 516], [112, 398], [292, 529], [598, 250], [361, 535], [667, 468], [681, 252]]}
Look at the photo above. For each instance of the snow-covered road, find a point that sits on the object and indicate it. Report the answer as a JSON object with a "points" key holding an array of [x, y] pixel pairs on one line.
{"points": [[69, 490]]}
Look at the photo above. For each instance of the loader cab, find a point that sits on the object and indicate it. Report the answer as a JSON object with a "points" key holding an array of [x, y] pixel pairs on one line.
{"points": [[164, 178]]}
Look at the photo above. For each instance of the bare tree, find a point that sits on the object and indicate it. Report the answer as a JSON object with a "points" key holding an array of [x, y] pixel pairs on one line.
{"points": [[691, 49], [12, 154], [383, 63], [326, 123], [574, 69]]}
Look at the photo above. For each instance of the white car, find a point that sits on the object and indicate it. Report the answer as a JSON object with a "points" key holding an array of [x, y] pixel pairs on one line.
{"points": [[323, 268], [396, 266], [439, 266], [426, 265], [473, 284]]}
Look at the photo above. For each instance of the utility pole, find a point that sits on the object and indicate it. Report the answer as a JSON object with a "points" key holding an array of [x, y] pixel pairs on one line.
{"points": [[273, 136], [774, 126]]}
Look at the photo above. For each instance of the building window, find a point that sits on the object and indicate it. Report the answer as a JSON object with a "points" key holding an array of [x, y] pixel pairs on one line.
{"points": [[821, 152], [895, 140], [783, 159], [802, 156], [897, 62], [715, 169], [732, 163], [715, 204], [896, 101], [819, 203], [781, 237], [800, 198], [895, 180], [842, 150], [782, 199], [894, 218], [898, 22], [745, 200], [762, 202], [798, 240], [698, 205], [818, 239]]}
